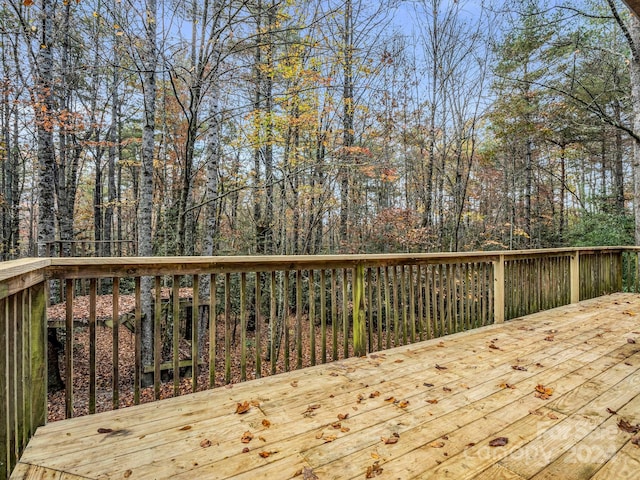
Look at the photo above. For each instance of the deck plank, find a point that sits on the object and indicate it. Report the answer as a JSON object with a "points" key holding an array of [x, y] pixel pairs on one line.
{"points": [[579, 350]]}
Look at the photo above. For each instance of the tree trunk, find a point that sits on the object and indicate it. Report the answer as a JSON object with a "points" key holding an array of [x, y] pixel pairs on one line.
{"points": [[145, 203]]}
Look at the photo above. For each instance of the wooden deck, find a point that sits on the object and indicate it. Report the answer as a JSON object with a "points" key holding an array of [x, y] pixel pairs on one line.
{"points": [[428, 410]]}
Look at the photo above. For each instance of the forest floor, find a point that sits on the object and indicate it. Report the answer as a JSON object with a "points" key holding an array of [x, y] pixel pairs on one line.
{"points": [[126, 358]]}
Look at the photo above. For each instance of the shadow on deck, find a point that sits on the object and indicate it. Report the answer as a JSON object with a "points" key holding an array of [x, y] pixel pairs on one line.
{"points": [[560, 389]]}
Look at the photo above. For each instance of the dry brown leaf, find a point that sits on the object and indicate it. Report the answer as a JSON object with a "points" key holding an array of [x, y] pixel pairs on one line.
{"points": [[469, 445], [552, 416], [390, 399], [105, 430], [493, 346], [243, 407], [336, 425], [437, 444], [403, 404], [265, 454], [545, 392], [398, 361], [535, 412], [390, 440], [499, 442], [627, 427], [631, 340], [506, 385], [319, 435], [266, 423], [246, 450], [425, 384], [374, 394], [186, 427], [373, 470], [307, 474], [127, 473], [549, 338], [360, 398], [440, 367], [432, 401], [343, 416], [294, 383], [612, 412], [446, 389], [519, 367], [329, 438], [629, 312], [205, 443], [345, 429], [636, 441], [246, 437]]}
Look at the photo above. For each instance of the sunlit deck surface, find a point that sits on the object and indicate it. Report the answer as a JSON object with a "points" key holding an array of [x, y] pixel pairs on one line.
{"points": [[427, 410]]}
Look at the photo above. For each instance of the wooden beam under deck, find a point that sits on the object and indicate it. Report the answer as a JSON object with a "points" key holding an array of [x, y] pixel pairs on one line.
{"points": [[427, 410]]}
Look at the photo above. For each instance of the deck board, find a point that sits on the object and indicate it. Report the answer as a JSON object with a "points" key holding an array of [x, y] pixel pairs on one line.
{"points": [[444, 398]]}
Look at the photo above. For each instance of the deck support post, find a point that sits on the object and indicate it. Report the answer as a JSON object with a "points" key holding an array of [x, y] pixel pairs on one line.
{"points": [[574, 277], [359, 320], [498, 290]]}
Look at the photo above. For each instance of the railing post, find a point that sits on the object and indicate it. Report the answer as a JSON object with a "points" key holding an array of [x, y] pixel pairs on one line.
{"points": [[574, 276], [38, 340], [359, 321], [498, 290]]}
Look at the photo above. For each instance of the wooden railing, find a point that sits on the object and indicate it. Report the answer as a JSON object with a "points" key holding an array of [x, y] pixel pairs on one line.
{"points": [[90, 248], [227, 319]]}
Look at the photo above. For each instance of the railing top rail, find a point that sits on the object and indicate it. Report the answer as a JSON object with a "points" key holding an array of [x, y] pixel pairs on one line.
{"points": [[15, 271], [16, 275]]}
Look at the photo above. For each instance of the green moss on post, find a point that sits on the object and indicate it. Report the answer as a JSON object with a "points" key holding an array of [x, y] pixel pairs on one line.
{"points": [[359, 321]]}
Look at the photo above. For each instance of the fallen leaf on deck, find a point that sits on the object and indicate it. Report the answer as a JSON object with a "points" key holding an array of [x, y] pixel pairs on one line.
{"points": [[519, 367], [309, 411], [243, 407], [266, 423], [627, 427], [105, 430], [360, 398], [391, 440], [612, 412], [374, 394], [262, 439], [390, 399], [307, 474], [403, 404], [631, 340], [246, 450], [552, 416], [294, 383], [265, 454], [427, 384], [205, 443], [329, 438], [186, 427], [439, 367], [469, 445], [373, 470], [636, 441], [254, 403], [345, 429], [343, 416], [436, 444], [539, 365], [499, 442], [549, 338], [441, 344], [535, 412], [506, 385], [398, 361], [246, 437], [432, 401], [629, 312], [543, 392], [127, 473], [319, 435], [495, 347], [446, 389], [336, 425]]}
